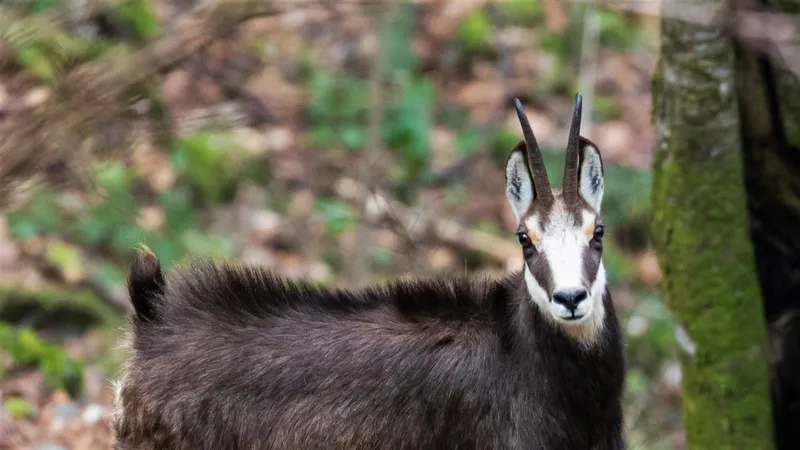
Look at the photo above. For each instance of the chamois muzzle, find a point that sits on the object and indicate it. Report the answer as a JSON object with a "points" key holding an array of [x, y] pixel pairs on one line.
{"points": [[570, 300]]}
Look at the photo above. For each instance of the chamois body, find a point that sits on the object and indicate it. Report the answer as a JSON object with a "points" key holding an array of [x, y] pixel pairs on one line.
{"points": [[231, 357], [240, 359]]}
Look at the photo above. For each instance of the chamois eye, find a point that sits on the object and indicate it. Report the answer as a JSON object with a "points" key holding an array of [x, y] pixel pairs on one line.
{"points": [[598, 232], [524, 240]]}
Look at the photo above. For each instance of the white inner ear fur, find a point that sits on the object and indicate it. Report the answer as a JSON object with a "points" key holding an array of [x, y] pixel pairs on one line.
{"points": [[591, 178], [519, 186]]}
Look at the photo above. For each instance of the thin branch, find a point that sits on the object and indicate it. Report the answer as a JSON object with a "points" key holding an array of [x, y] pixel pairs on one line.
{"points": [[359, 268], [380, 207], [36, 138], [590, 47]]}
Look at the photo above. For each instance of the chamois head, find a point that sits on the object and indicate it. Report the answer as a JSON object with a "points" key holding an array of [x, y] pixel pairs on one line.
{"points": [[561, 232]]}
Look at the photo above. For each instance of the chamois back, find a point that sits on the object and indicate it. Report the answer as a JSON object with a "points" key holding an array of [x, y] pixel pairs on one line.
{"points": [[239, 358]]}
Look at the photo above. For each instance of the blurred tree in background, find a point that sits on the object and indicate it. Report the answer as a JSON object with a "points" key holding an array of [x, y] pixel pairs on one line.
{"points": [[725, 198], [701, 235]]}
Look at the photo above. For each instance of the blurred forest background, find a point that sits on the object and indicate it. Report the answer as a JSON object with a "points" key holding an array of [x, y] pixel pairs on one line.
{"points": [[344, 142]]}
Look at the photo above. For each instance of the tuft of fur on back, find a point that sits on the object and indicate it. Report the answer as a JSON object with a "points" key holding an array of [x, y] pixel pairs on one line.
{"points": [[145, 284]]}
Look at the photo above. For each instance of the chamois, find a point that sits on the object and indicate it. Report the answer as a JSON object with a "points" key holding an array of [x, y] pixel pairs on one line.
{"points": [[236, 357]]}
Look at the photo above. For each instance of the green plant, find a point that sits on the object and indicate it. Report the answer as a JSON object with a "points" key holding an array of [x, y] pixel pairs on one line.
{"points": [[36, 6], [139, 16], [525, 13], [617, 31], [501, 144], [467, 140], [475, 32], [25, 348], [397, 56], [210, 163], [338, 110], [605, 108], [111, 221], [19, 408], [407, 126], [337, 215], [618, 266], [650, 347], [108, 225], [45, 51]]}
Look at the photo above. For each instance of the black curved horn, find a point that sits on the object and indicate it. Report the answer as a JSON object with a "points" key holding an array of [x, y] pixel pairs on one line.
{"points": [[534, 156], [570, 185]]}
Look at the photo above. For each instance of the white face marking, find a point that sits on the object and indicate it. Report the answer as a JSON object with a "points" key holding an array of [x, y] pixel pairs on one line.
{"points": [[561, 245]]}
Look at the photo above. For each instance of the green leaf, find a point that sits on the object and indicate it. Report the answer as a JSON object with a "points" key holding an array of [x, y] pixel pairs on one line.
{"points": [[382, 256], [168, 251], [26, 348], [467, 140], [127, 237], [617, 32], [407, 127], [64, 256], [452, 116], [606, 108], [38, 63], [207, 244], [119, 207], [636, 383], [323, 135], [114, 177], [526, 13], [353, 136], [42, 5], [397, 53], [19, 408], [337, 215], [89, 230], [22, 228], [206, 160], [338, 111], [36, 218], [501, 145], [475, 31], [140, 16], [618, 266], [109, 275], [179, 214]]}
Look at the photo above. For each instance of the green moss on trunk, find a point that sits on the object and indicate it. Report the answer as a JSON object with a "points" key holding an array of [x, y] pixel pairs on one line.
{"points": [[701, 235]]}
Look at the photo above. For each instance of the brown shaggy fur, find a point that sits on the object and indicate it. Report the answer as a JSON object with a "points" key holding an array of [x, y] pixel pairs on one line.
{"points": [[231, 357]]}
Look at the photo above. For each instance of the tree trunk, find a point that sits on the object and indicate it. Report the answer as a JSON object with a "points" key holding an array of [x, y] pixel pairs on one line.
{"points": [[702, 238], [772, 180]]}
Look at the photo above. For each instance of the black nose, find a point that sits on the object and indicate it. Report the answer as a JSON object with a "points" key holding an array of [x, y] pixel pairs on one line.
{"points": [[570, 299]]}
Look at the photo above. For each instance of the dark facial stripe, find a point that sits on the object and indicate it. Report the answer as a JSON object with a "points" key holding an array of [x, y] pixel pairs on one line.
{"points": [[541, 272], [591, 263]]}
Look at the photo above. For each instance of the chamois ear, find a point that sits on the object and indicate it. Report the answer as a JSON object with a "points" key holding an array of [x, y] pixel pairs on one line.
{"points": [[519, 183], [590, 174]]}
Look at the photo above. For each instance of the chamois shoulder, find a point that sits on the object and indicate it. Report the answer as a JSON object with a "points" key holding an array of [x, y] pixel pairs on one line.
{"points": [[231, 291]]}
